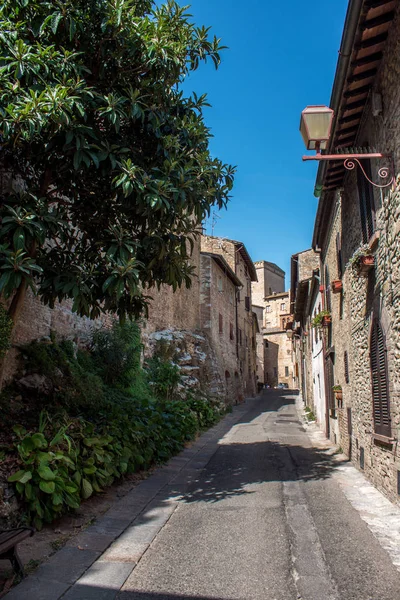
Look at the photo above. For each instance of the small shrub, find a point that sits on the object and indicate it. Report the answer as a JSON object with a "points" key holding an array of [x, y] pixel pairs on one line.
{"points": [[164, 377]]}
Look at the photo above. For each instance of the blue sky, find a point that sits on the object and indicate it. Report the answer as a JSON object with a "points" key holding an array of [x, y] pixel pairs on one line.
{"points": [[281, 57]]}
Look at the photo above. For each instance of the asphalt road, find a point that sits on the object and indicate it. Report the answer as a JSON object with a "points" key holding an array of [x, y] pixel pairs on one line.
{"points": [[265, 519]]}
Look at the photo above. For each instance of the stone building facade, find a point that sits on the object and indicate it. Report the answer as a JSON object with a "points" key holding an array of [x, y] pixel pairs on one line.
{"points": [[219, 287], [238, 259], [278, 357], [361, 345], [272, 307], [270, 280]]}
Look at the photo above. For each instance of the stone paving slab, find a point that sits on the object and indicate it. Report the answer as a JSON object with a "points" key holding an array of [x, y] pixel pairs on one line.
{"points": [[107, 552]]}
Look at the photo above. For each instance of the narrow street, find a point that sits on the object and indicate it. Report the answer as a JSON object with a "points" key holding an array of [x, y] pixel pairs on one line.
{"points": [[252, 517]]}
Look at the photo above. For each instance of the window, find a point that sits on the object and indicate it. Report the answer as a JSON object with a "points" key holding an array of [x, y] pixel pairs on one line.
{"points": [[231, 296], [380, 391], [220, 284], [286, 371], [221, 324], [270, 292], [283, 306], [247, 302], [367, 205], [346, 367], [339, 255], [266, 344], [231, 336], [283, 323], [268, 309]]}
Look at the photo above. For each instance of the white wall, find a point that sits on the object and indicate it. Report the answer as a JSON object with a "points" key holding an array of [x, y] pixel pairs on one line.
{"points": [[318, 371]]}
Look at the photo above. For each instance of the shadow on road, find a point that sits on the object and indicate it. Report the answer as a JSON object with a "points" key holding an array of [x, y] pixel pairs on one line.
{"points": [[237, 467]]}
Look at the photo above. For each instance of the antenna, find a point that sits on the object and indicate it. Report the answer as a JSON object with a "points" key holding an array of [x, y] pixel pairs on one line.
{"points": [[214, 222]]}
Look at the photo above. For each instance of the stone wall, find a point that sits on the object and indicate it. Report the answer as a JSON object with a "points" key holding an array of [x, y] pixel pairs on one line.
{"points": [[37, 321], [260, 346], [178, 309], [366, 296], [234, 256], [218, 321]]}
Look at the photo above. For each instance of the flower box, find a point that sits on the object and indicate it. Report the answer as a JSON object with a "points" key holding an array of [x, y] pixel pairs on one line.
{"points": [[339, 395], [326, 320], [337, 286], [366, 263]]}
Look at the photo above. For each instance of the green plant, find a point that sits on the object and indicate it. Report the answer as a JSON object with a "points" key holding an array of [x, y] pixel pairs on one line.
{"points": [[337, 388], [164, 377], [6, 326], [46, 480], [363, 250], [319, 318], [309, 414]]}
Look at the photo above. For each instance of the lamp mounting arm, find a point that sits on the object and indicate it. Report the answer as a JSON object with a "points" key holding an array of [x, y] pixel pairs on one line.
{"points": [[351, 160]]}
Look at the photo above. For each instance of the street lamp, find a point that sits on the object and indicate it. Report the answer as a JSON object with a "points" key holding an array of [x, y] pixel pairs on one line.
{"points": [[316, 127]]}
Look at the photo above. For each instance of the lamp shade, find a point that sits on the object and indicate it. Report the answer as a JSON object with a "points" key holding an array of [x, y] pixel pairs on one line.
{"points": [[315, 126]]}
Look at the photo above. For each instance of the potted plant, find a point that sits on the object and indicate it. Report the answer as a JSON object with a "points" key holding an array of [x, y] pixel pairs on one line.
{"points": [[337, 389], [322, 319], [337, 286], [363, 260]]}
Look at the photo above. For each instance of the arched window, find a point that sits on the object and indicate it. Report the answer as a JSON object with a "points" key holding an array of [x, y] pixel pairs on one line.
{"points": [[380, 387]]}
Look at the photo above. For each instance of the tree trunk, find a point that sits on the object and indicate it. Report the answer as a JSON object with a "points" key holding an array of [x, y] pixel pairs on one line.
{"points": [[13, 312]]}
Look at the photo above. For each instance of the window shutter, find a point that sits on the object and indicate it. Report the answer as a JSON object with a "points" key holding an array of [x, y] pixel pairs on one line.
{"points": [[346, 367], [328, 302], [339, 255], [379, 375], [329, 382]]}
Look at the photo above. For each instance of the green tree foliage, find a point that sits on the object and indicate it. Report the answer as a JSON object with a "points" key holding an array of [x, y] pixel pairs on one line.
{"points": [[110, 166]]}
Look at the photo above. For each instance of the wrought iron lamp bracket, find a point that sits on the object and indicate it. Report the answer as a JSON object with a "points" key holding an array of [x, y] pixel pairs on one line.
{"points": [[350, 161]]}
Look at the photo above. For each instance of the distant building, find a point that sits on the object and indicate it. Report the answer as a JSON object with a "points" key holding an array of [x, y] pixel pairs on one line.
{"points": [[272, 307]]}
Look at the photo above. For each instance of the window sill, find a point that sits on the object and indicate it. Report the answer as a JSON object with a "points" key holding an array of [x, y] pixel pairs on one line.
{"points": [[383, 439]]}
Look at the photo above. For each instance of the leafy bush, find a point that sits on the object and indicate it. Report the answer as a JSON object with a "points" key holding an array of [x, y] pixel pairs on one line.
{"points": [[164, 377], [102, 420]]}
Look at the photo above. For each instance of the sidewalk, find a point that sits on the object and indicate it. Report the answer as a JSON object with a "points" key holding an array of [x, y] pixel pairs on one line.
{"points": [[381, 516]]}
